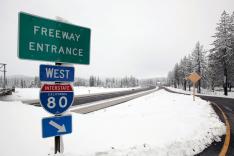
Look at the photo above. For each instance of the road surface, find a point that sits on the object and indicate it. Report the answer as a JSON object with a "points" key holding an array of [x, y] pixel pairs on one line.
{"points": [[78, 100], [101, 104], [88, 98]]}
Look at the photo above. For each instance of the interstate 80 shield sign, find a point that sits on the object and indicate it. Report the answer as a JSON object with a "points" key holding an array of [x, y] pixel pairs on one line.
{"points": [[56, 98]]}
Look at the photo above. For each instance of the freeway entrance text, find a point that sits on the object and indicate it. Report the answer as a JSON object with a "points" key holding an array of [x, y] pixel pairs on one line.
{"points": [[49, 40]]}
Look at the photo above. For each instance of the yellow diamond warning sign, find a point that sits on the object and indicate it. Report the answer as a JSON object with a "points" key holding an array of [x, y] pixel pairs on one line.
{"points": [[194, 77]]}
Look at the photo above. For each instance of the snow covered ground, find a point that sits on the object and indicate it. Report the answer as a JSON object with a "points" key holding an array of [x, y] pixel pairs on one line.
{"points": [[204, 92], [159, 124], [33, 93]]}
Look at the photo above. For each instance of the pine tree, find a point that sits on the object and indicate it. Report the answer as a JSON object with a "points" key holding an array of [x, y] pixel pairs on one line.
{"points": [[182, 72], [189, 68], [214, 72], [199, 64], [222, 50], [170, 78], [176, 76], [91, 81], [232, 31], [231, 71]]}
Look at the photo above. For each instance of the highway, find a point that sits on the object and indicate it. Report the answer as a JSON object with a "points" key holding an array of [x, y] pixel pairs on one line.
{"points": [[101, 104], [103, 96], [89, 98]]}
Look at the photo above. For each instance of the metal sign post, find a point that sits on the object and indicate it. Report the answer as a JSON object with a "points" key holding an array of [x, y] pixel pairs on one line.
{"points": [[193, 91], [57, 139], [194, 77]]}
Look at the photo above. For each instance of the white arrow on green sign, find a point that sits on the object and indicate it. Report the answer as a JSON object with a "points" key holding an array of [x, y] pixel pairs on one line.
{"points": [[49, 40]]}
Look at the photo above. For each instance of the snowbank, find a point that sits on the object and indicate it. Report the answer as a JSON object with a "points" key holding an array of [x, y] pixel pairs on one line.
{"points": [[159, 124], [204, 92]]}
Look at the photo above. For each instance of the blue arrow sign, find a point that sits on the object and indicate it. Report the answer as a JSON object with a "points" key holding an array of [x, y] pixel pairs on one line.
{"points": [[56, 126], [56, 98], [56, 73]]}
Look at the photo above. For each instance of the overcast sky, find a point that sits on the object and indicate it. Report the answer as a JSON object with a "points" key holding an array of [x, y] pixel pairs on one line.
{"points": [[143, 38]]}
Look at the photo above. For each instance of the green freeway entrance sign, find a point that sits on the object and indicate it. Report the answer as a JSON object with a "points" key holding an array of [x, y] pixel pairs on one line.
{"points": [[49, 40]]}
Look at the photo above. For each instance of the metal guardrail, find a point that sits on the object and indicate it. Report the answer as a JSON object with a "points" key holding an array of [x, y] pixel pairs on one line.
{"points": [[4, 92]]}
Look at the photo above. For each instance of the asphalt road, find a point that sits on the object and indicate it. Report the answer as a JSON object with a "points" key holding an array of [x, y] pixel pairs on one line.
{"points": [[91, 107], [88, 98], [227, 106], [78, 100]]}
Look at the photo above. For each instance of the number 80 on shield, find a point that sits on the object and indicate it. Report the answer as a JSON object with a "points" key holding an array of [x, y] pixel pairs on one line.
{"points": [[56, 98]]}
